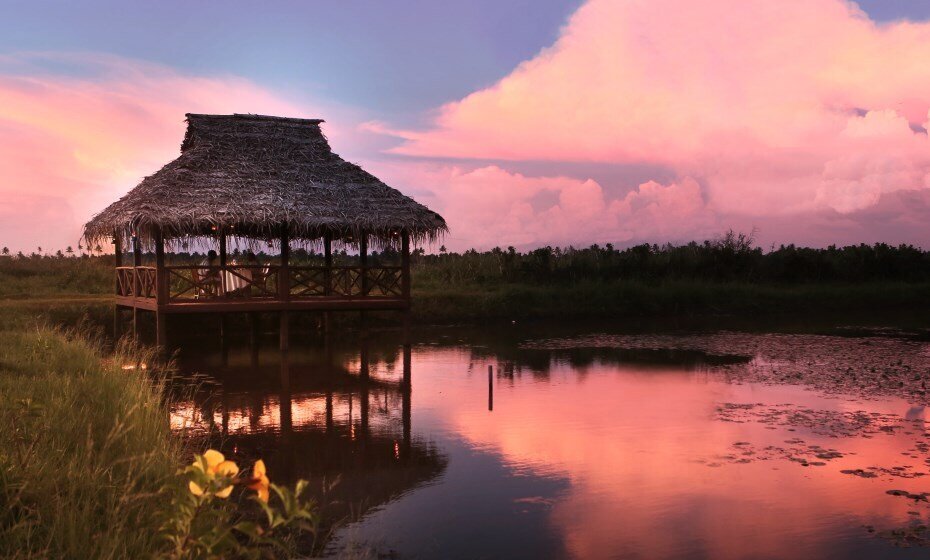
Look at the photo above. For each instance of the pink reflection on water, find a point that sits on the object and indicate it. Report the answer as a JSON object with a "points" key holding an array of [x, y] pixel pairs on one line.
{"points": [[636, 446]]}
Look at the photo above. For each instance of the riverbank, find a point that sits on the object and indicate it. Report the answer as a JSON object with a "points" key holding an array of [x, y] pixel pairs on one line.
{"points": [[85, 447], [479, 292]]}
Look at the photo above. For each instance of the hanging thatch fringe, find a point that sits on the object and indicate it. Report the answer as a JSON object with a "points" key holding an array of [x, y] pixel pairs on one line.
{"points": [[251, 175]]}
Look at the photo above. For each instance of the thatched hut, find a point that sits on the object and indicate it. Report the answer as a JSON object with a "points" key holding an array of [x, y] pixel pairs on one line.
{"points": [[269, 179]]}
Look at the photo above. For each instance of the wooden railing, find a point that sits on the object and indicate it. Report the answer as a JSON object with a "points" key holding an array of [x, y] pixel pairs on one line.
{"points": [[136, 282], [202, 282], [261, 282]]}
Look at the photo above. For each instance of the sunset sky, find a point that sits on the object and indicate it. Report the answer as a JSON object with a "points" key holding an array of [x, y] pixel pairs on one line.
{"points": [[524, 123]]}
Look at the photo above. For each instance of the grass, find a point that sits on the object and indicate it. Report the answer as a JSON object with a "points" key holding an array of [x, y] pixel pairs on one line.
{"points": [[625, 299], [84, 448], [51, 276]]}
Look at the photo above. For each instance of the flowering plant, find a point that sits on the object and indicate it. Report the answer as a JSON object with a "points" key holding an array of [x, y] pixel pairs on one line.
{"points": [[203, 523]]}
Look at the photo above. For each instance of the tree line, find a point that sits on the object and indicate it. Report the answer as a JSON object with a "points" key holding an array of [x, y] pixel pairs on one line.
{"points": [[732, 257]]}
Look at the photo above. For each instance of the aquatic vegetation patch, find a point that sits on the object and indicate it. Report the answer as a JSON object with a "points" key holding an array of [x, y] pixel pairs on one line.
{"points": [[794, 451], [869, 367]]}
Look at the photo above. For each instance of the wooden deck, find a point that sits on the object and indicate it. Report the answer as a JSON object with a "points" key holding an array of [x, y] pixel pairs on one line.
{"points": [[250, 287], [242, 306]]}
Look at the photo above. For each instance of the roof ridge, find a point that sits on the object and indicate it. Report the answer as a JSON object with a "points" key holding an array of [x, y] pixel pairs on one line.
{"points": [[253, 117]]}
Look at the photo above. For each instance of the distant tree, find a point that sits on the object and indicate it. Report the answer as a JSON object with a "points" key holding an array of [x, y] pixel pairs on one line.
{"points": [[6, 251], [59, 254], [98, 249], [442, 249], [69, 250]]}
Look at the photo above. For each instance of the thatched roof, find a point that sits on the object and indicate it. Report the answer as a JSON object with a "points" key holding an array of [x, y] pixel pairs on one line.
{"points": [[251, 174]]}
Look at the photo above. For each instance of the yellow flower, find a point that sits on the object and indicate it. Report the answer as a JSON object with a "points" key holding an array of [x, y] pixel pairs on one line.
{"points": [[212, 458], [260, 480], [213, 463], [227, 468]]}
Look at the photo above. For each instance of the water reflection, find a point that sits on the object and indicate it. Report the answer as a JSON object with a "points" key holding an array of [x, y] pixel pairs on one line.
{"points": [[508, 451], [313, 416]]}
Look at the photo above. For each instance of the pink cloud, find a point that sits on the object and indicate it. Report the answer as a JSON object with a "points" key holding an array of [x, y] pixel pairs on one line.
{"points": [[490, 206], [71, 145], [776, 109]]}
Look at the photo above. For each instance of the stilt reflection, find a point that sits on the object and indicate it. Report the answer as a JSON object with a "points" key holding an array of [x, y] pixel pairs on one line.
{"points": [[313, 416]]}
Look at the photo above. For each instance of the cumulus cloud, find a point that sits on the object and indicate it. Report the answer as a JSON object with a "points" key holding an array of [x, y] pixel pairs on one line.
{"points": [[776, 109], [490, 206], [73, 141]]}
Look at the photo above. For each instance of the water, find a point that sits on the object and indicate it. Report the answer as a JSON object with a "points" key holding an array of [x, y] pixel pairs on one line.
{"points": [[594, 446]]}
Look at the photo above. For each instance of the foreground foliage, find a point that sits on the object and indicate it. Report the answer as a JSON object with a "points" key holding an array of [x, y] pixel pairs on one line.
{"points": [[84, 450], [202, 522], [90, 469]]}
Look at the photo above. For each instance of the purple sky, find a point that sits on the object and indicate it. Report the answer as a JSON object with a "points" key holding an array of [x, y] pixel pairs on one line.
{"points": [[92, 96]]}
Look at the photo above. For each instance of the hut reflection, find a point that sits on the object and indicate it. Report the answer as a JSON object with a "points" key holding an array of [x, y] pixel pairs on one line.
{"points": [[317, 420]]}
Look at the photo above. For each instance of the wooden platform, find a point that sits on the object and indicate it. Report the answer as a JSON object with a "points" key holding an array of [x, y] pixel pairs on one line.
{"points": [[220, 286], [220, 305]]}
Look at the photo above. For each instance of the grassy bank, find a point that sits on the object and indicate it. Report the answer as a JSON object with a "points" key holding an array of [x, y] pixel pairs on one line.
{"points": [[84, 448]]}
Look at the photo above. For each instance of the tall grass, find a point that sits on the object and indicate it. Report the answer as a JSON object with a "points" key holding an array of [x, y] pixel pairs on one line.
{"points": [[84, 448], [47, 276]]}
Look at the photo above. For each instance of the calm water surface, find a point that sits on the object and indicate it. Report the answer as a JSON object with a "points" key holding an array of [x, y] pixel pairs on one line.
{"points": [[618, 448]]}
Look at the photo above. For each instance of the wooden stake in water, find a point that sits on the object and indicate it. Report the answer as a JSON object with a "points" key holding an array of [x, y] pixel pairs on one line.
{"points": [[490, 387]]}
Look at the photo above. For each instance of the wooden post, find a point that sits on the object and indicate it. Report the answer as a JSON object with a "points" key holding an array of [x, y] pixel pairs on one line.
{"points": [[328, 263], [136, 282], [136, 251], [222, 235], [405, 264], [327, 280], [490, 387], [363, 316], [407, 365], [136, 262], [329, 412], [286, 416], [284, 287], [405, 419], [118, 258], [161, 291], [284, 275], [363, 262], [405, 291]]}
